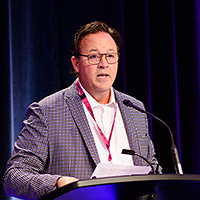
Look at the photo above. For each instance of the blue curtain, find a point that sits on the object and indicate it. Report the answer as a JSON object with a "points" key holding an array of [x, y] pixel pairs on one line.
{"points": [[159, 64]]}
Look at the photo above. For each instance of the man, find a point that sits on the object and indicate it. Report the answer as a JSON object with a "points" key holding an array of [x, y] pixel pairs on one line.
{"points": [[67, 134]]}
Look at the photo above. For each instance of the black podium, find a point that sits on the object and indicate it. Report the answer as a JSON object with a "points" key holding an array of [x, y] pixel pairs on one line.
{"points": [[140, 187]]}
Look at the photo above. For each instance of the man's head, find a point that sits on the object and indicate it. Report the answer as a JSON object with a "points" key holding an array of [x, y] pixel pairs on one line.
{"points": [[93, 27], [95, 58]]}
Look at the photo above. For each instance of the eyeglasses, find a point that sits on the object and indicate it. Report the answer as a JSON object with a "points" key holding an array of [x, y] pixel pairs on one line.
{"points": [[95, 58]]}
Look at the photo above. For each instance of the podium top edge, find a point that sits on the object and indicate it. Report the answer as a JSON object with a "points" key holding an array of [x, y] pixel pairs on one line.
{"points": [[132, 179], [137, 178]]}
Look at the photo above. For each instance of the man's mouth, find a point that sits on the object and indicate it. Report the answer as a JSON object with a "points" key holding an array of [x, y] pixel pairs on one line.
{"points": [[102, 75]]}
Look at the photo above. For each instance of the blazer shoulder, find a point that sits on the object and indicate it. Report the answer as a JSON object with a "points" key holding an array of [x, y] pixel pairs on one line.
{"points": [[59, 97], [122, 96]]}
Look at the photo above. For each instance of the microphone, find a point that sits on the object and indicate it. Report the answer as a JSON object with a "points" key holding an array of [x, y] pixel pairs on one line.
{"points": [[174, 150], [132, 152]]}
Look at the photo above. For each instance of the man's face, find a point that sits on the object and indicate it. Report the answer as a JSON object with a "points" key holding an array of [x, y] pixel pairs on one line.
{"points": [[96, 79]]}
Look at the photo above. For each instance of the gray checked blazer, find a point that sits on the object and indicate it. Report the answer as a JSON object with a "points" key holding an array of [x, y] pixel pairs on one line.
{"points": [[56, 140]]}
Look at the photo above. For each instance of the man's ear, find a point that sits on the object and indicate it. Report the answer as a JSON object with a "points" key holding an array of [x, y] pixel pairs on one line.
{"points": [[75, 63]]}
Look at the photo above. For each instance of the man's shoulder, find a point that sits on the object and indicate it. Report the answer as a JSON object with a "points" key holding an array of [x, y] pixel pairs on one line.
{"points": [[59, 96], [69, 91], [122, 96]]}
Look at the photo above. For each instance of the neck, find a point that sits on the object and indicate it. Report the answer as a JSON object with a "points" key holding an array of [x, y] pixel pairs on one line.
{"points": [[103, 98]]}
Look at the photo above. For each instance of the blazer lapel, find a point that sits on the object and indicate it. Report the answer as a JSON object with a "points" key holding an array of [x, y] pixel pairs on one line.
{"points": [[128, 115], [129, 118], [75, 105]]}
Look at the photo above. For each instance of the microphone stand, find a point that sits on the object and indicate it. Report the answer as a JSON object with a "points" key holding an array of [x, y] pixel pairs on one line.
{"points": [[174, 150], [132, 152]]}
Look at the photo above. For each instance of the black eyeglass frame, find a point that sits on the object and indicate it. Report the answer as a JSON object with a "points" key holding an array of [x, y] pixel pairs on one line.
{"points": [[100, 54]]}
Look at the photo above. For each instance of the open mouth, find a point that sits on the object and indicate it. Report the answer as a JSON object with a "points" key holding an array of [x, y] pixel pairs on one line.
{"points": [[102, 75]]}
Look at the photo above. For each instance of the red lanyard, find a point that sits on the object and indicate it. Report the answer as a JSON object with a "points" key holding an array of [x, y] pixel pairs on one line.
{"points": [[89, 108]]}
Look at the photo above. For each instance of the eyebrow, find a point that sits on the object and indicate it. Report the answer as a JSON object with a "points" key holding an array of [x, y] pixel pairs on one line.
{"points": [[91, 50]]}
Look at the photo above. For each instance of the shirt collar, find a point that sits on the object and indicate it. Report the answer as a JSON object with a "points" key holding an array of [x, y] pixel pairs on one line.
{"points": [[94, 103]]}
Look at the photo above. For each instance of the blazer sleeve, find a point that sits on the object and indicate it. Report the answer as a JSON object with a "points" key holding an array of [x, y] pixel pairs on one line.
{"points": [[23, 177]]}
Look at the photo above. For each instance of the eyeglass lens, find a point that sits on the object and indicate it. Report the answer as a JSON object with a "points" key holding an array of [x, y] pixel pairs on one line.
{"points": [[96, 58]]}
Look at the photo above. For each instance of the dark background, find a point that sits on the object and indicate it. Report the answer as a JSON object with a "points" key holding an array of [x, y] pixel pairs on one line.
{"points": [[159, 64]]}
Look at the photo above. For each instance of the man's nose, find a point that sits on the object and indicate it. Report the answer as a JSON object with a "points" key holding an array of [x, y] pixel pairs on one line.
{"points": [[103, 62]]}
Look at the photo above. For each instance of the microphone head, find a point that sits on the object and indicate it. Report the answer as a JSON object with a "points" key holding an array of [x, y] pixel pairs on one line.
{"points": [[128, 151], [130, 104], [127, 102]]}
